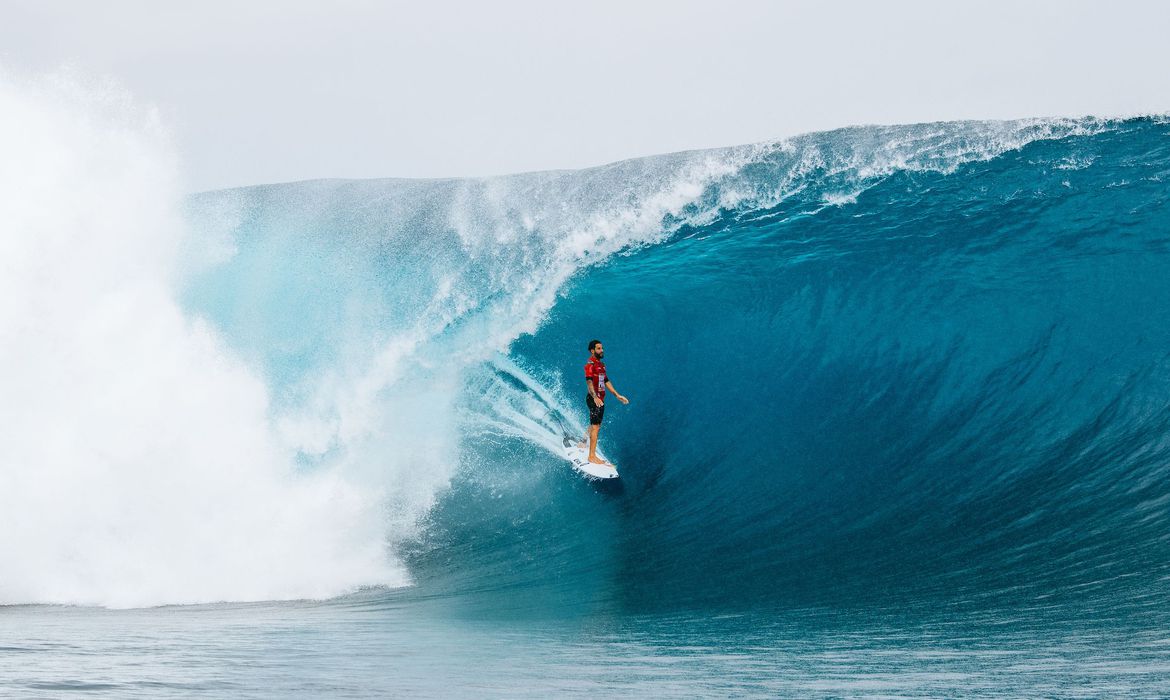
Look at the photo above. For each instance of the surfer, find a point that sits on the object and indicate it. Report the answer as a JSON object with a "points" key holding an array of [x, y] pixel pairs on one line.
{"points": [[598, 382]]}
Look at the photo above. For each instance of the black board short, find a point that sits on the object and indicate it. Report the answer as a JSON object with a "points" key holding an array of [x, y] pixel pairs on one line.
{"points": [[596, 413]]}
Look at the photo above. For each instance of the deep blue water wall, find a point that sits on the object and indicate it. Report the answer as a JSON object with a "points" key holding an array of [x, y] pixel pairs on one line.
{"points": [[943, 386]]}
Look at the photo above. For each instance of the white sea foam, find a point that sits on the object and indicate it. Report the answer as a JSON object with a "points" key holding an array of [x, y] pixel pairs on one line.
{"points": [[138, 465]]}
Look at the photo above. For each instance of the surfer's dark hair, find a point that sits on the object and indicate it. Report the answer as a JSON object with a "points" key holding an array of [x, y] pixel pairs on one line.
{"points": [[593, 344]]}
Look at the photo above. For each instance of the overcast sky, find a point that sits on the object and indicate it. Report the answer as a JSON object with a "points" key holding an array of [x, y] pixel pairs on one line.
{"points": [[268, 91]]}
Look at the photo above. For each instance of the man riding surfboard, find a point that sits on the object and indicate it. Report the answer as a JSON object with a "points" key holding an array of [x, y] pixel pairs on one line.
{"points": [[598, 382]]}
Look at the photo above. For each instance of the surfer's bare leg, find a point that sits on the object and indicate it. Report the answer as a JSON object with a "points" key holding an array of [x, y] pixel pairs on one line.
{"points": [[593, 430]]}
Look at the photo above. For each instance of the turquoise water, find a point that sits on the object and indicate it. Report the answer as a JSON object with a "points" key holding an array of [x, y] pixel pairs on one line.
{"points": [[384, 648], [898, 427]]}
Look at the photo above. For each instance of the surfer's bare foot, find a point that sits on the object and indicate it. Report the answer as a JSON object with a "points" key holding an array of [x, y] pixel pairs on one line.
{"points": [[598, 460]]}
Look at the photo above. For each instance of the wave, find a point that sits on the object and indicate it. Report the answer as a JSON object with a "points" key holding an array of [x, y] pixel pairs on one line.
{"points": [[945, 388], [872, 354]]}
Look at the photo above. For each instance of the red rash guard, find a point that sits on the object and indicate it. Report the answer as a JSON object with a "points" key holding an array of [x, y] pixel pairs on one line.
{"points": [[595, 373]]}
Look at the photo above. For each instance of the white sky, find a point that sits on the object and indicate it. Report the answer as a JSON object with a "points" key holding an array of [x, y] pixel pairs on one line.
{"points": [[277, 90]]}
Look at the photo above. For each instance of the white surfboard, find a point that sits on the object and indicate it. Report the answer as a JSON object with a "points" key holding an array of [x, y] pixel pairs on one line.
{"points": [[579, 458]]}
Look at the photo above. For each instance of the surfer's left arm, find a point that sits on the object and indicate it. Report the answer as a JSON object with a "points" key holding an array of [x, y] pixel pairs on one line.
{"points": [[609, 387]]}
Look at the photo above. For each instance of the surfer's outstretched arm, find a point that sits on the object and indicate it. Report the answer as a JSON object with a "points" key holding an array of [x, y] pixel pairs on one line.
{"points": [[609, 386]]}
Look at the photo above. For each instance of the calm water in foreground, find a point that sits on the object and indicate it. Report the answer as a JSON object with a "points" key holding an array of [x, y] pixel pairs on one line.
{"points": [[410, 648]]}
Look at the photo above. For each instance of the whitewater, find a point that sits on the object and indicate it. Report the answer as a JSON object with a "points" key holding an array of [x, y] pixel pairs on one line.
{"points": [[897, 426]]}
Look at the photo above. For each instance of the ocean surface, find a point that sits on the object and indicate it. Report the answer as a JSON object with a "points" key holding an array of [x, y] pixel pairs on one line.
{"points": [[898, 422]]}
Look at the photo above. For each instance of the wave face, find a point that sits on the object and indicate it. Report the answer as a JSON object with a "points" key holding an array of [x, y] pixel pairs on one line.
{"points": [[891, 364], [877, 364], [937, 378]]}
